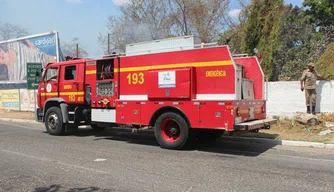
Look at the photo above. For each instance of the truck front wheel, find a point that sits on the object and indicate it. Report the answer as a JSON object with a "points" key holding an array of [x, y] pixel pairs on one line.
{"points": [[171, 131], [54, 121]]}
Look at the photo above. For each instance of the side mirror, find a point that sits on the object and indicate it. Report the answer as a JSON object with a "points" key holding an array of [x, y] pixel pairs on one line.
{"points": [[37, 74]]}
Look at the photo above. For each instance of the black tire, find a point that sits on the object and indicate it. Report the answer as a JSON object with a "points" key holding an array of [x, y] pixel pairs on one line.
{"points": [[54, 121], [168, 123], [208, 136]]}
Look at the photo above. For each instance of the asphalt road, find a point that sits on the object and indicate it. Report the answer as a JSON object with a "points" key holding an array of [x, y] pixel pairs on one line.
{"points": [[32, 160]]}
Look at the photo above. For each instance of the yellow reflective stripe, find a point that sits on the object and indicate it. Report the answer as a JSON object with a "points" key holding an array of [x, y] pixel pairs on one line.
{"points": [[195, 64], [90, 72], [166, 66], [71, 93], [50, 94], [63, 93]]}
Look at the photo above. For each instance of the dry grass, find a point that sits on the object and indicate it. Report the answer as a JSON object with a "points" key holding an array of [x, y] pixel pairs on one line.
{"points": [[287, 129]]}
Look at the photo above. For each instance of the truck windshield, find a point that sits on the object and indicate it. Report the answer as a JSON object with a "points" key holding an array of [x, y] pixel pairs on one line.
{"points": [[51, 74]]}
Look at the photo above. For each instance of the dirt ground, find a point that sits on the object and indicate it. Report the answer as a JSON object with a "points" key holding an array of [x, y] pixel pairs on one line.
{"points": [[285, 129], [17, 115]]}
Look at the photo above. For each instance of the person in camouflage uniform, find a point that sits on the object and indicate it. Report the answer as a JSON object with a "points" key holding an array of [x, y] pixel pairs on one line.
{"points": [[308, 83]]}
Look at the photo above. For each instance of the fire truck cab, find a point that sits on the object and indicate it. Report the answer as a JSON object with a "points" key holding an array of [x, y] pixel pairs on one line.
{"points": [[197, 93]]}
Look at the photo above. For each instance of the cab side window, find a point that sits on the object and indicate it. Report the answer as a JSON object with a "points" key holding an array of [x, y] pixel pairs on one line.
{"points": [[70, 73], [51, 74]]}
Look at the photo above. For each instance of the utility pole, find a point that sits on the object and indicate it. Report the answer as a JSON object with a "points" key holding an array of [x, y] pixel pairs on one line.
{"points": [[108, 43], [77, 50]]}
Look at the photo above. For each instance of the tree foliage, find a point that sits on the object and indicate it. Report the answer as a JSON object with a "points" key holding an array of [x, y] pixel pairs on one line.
{"points": [[150, 15], [288, 37], [11, 31], [325, 64], [200, 17], [144, 20], [70, 49], [262, 29], [294, 45], [321, 12]]}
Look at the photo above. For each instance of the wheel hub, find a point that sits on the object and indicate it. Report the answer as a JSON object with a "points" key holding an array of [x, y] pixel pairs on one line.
{"points": [[170, 130], [53, 121], [173, 131]]}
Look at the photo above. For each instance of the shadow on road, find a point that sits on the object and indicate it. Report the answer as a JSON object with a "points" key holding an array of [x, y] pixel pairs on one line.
{"points": [[231, 146], [56, 188]]}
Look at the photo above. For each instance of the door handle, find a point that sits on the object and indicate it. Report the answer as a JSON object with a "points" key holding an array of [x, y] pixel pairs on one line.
{"points": [[76, 85]]}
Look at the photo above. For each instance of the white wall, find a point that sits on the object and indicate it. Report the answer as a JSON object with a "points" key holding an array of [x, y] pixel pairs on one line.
{"points": [[286, 98]]}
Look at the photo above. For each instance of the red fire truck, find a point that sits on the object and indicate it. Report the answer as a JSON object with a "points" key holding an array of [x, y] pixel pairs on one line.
{"points": [[197, 93]]}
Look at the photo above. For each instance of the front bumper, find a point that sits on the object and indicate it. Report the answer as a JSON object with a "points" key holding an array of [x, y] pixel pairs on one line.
{"points": [[257, 124]]}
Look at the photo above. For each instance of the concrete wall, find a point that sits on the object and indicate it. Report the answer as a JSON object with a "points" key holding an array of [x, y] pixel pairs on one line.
{"points": [[286, 98]]}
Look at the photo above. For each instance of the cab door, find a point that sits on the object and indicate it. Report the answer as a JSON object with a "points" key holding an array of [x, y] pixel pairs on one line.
{"points": [[71, 85], [49, 84]]}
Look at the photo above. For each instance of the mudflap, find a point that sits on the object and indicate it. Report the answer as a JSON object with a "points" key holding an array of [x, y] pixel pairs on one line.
{"points": [[39, 115]]}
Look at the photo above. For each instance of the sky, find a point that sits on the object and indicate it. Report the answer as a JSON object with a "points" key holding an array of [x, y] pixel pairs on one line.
{"points": [[84, 19]]}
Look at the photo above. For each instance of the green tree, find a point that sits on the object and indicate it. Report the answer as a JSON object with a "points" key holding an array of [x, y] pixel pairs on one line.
{"points": [[294, 44], [321, 12], [325, 65], [262, 30]]}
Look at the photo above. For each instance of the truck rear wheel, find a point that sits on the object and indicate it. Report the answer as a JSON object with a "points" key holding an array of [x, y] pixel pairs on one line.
{"points": [[171, 131], [54, 121]]}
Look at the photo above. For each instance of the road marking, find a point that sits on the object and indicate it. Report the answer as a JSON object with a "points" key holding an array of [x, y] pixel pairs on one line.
{"points": [[98, 160], [58, 162], [25, 155]]}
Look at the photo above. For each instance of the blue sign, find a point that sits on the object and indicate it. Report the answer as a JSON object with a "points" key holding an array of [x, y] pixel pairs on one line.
{"points": [[46, 44]]}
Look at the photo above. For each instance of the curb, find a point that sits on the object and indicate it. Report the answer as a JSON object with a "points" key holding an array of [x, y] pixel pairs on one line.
{"points": [[19, 120], [242, 139], [281, 142]]}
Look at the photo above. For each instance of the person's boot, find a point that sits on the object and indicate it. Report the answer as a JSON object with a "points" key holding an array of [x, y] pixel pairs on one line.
{"points": [[308, 110], [313, 110]]}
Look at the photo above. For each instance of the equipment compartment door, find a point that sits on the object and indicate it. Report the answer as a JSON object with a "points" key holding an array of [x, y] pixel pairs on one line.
{"points": [[215, 115], [129, 113], [71, 85]]}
